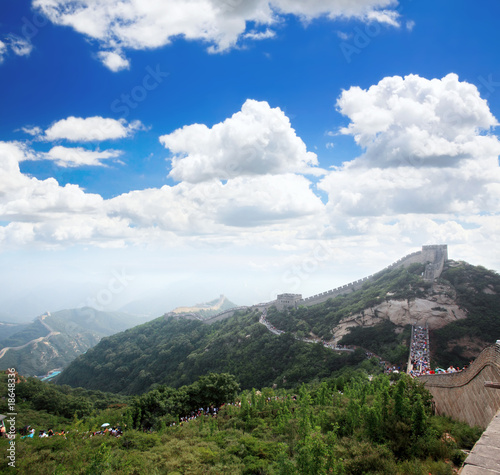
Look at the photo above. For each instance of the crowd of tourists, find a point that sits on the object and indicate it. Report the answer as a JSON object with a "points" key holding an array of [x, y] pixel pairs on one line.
{"points": [[419, 351], [29, 432], [211, 411], [112, 431], [269, 326]]}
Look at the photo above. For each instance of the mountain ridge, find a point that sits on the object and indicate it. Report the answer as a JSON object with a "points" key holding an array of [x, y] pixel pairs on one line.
{"points": [[177, 350]]}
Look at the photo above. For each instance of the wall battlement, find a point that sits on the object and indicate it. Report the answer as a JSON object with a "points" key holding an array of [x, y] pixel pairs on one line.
{"points": [[434, 256]]}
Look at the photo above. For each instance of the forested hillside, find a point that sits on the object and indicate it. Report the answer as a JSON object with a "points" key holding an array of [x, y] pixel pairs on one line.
{"points": [[477, 290], [462, 310], [177, 351]]}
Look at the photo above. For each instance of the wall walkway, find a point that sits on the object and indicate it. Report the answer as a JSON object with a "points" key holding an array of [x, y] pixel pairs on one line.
{"points": [[484, 458]]}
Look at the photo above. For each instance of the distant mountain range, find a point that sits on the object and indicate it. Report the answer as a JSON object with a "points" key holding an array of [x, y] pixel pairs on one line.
{"points": [[53, 340]]}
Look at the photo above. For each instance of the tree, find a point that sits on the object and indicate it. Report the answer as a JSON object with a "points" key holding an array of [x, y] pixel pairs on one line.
{"points": [[216, 389]]}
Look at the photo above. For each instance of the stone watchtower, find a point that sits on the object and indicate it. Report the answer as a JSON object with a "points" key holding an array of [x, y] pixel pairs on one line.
{"points": [[435, 256], [288, 301]]}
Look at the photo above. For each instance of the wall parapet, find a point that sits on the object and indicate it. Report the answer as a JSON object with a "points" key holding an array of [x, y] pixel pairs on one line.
{"points": [[464, 396], [433, 255], [357, 284], [489, 356]]}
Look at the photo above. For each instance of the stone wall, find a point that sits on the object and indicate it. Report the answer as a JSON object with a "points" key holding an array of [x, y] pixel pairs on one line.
{"points": [[288, 301], [223, 315], [463, 395], [436, 255]]}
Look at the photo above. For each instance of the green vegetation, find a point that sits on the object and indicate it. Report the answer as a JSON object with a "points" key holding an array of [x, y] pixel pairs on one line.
{"points": [[344, 425], [176, 352], [382, 340], [396, 284], [478, 292], [9, 329]]}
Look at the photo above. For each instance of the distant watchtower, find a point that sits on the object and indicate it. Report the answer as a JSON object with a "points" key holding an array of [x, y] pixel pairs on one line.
{"points": [[288, 301], [435, 257]]}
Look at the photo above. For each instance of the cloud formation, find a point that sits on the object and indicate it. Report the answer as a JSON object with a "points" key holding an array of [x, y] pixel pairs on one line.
{"points": [[90, 129], [3, 51], [114, 60], [20, 46], [139, 24], [428, 149], [242, 182], [78, 156], [209, 207], [435, 122], [257, 140]]}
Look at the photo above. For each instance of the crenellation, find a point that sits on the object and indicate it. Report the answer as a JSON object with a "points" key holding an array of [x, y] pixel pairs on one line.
{"points": [[432, 255]]}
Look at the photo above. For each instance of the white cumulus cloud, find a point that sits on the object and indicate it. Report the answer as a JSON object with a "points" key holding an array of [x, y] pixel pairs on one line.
{"points": [[90, 129], [78, 156], [20, 46], [213, 207], [255, 141], [145, 24], [401, 121], [35, 131], [3, 51], [114, 60], [428, 149]]}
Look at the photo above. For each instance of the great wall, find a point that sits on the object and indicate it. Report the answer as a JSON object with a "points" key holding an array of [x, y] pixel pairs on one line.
{"points": [[471, 396], [433, 256], [463, 395]]}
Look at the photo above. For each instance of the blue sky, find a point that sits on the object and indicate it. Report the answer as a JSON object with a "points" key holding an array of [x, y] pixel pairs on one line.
{"points": [[216, 146]]}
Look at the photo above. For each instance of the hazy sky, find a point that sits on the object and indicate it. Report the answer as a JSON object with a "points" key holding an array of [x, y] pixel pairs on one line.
{"points": [[163, 152]]}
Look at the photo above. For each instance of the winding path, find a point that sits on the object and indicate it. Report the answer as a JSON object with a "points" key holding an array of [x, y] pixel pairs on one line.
{"points": [[274, 330], [36, 340]]}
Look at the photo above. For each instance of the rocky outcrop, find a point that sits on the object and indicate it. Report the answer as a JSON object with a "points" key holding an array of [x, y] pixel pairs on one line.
{"points": [[436, 311]]}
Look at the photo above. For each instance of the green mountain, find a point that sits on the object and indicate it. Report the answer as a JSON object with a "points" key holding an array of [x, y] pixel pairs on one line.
{"points": [[9, 329], [52, 341], [462, 310], [176, 351]]}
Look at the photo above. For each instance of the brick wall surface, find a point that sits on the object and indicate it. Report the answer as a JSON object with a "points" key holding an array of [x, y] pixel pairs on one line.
{"points": [[463, 396]]}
